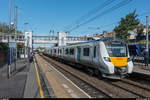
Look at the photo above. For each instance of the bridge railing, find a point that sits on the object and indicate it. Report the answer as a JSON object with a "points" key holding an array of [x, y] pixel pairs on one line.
{"points": [[12, 38]]}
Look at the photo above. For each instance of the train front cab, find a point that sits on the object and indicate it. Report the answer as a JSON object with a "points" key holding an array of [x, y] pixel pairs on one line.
{"points": [[116, 60]]}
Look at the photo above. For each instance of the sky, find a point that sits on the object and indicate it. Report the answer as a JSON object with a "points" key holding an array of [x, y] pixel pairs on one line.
{"points": [[45, 15]]}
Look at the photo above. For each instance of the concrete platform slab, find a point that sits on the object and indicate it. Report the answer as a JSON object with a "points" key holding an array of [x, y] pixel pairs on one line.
{"points": [[61, 86], [14, 86], [31, 88]]}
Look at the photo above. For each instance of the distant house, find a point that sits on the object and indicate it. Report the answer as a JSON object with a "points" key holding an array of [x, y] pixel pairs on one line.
{"points": [[99, 36], [133, 33], [145, 29], [92, 37], [108, 34]]}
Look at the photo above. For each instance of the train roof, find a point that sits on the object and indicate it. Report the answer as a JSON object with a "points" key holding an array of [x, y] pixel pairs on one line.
{"points": [[82, 42], [110, 39], [105, 39], [134, 44], [90, 41]]}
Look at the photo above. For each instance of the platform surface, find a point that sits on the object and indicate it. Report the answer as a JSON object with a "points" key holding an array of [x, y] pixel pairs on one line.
{"points": [[60, 84], [22, 83]]}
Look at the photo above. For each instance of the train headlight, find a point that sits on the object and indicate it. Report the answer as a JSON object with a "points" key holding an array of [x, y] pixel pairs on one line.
{"points": [[107, 59], [129, 59]]}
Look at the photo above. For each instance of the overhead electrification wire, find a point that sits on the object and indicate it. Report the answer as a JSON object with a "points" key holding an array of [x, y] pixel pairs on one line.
{"points": [[144, 13], [95, 10], [122, 3], [89, 14], [140, 15]]}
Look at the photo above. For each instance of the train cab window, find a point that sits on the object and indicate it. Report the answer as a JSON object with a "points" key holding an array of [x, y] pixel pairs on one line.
{"points": [[116, 50], [86, 51], [94, 51], [72, 51]]}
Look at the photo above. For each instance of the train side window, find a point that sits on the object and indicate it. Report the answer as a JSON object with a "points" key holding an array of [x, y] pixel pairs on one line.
{"points": [[94, 51], [86, 51], [63, 51], [66, 52], [72, 51], [60, 51], [54, 50]]}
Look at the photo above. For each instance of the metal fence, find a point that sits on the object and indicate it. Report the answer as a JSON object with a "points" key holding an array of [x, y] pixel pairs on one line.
{"points": [[138, 60]]}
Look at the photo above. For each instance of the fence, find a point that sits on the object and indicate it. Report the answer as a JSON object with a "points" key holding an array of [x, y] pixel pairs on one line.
{"points": [[138, 60]]}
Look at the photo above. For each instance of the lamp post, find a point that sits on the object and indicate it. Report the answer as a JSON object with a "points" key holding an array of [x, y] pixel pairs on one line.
{"points": [[9, 55], [147, 40], [16, 34]]}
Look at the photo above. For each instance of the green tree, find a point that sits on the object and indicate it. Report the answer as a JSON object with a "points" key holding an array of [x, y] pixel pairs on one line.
{"points": [[129, 23], [4, 28], [140, 32], [3, 46]]}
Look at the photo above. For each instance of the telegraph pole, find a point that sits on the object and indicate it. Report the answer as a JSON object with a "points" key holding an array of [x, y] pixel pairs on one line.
{"points": [[147, 39], [16, 21], [9, 53], [16, 33]]}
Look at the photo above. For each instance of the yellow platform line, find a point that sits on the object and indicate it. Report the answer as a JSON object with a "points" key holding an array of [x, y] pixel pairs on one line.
{"points": [[38, 79]]}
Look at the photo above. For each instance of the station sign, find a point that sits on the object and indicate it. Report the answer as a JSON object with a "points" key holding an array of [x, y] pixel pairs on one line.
{"points": [[21, 44], [12, 52]]}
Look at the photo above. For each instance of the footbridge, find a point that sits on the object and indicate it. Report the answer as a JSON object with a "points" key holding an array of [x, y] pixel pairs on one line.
{"points": [[28, 38], [55, 40]]}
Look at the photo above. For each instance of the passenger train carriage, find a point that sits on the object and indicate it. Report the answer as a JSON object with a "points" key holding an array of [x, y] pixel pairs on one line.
{"points": [[108, 57]]}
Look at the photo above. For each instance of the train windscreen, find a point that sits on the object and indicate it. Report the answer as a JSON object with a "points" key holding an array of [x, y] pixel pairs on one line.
{"points": [[116, 49]]}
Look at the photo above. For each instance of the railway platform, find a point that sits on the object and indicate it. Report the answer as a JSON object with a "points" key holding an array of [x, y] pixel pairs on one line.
{"points": [[14, 86], [22, 83], [62, 87], [141, 69]]}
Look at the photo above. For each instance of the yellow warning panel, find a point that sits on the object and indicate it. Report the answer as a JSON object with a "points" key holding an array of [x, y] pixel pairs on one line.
{"points": [[119, 61]]}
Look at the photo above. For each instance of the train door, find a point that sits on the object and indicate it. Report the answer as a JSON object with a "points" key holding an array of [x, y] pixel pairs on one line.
{"points": [[95, 54], [78, 53]]}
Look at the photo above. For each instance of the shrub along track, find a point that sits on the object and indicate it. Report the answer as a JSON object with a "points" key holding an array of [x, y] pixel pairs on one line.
{"points": [[102, 88]]}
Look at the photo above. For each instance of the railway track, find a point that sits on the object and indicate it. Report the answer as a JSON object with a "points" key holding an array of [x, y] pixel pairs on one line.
{"points": [[138, 86], [90, 89], [125, 88], [138, 91]]}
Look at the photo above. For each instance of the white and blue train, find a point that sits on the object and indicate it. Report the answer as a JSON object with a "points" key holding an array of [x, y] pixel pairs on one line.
{"points": [[107, 57]]}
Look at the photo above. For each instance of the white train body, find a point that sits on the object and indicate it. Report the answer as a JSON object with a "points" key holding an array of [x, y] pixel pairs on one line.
{"points": [[109, 57]]}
